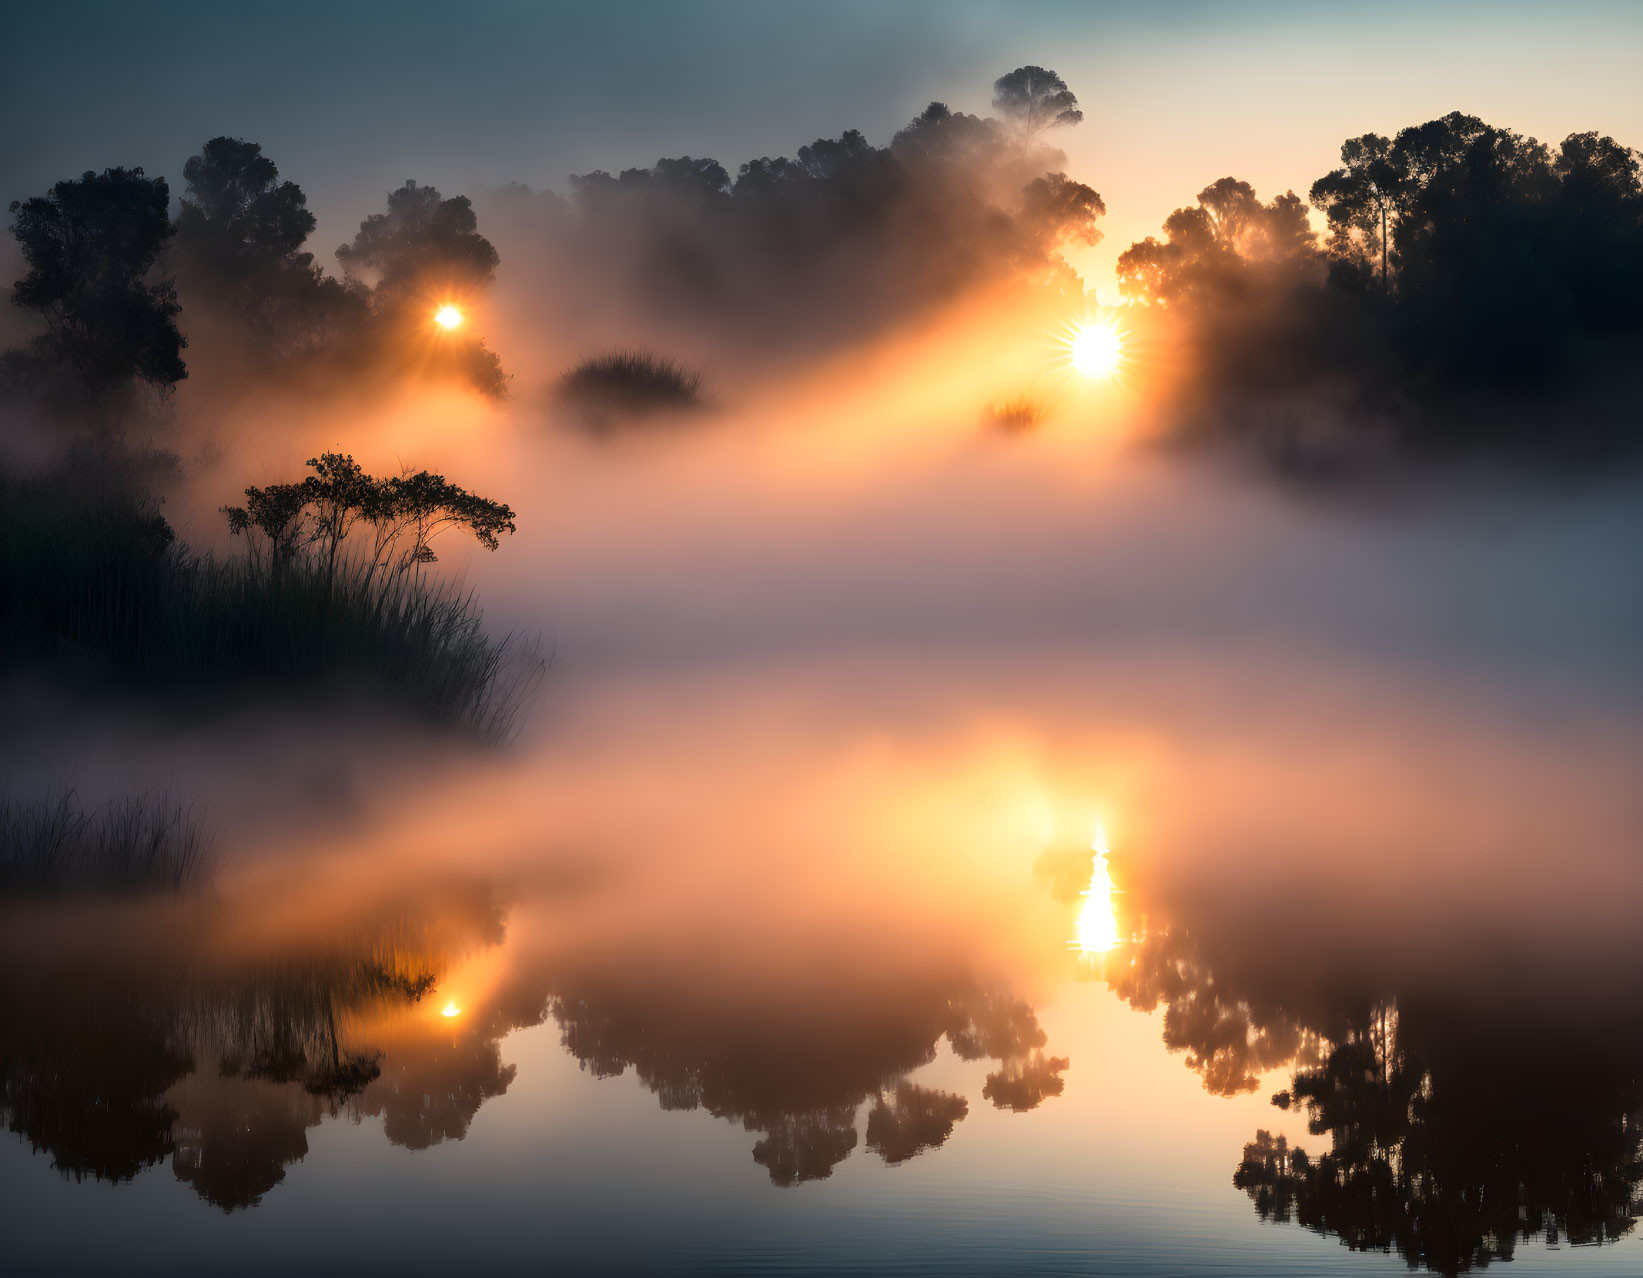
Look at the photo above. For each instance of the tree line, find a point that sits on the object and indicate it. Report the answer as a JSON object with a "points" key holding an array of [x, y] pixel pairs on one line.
{"points": [[110, 271], [1463, 264]]}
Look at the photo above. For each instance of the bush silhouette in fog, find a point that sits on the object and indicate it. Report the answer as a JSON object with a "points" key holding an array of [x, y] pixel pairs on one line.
{"points": [[605, 389], [91, 245]]}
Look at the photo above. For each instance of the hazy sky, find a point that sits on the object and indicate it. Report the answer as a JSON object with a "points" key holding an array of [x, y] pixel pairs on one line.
{"points": [[351, 99]]}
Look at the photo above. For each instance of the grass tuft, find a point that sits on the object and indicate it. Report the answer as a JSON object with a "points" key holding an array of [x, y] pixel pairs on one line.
{"points": [[147, 843], [629, 384], [1016, 415]]}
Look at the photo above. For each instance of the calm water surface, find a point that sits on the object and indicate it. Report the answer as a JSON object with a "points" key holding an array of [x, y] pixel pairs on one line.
{"points": [[780, 941]]}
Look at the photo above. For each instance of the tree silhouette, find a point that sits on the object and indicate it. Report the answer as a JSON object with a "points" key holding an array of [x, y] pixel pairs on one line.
{"points": [[405, 512], [1211, 250], [240, 232], [236, 207], [91, 244], [423, 242], [1034, 99]]}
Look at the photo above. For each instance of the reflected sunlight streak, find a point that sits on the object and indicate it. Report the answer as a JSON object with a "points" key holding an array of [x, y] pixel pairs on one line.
{"points": [[1097, 923]]}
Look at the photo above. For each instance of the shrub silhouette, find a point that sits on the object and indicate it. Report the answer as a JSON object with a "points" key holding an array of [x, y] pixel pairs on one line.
{"points": [[115, 599], [629, 384]]}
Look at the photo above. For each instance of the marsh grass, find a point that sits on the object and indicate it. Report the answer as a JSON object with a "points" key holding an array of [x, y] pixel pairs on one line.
{"points": [[1016, 415], [102, 591], [629, 384], [147, 843]]}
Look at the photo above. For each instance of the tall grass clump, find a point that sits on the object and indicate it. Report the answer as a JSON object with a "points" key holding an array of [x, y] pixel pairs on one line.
{"points": [[104, 593], [1016, 415], [147, 843], [635, 383]]}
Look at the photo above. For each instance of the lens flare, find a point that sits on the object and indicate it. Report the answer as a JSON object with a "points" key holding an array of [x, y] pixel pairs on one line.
{"points": [[448, 317], [1096, 350]]}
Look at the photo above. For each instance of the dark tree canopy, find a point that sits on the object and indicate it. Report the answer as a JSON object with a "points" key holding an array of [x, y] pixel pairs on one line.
{"points": [[422, 242], [1206, 247], [837, 238], [91, 245], [235, 202], [1034, 99], [241, 264]]}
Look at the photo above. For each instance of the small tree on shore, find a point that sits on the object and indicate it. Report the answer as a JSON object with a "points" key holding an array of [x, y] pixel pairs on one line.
{"points": [[405, 513]]}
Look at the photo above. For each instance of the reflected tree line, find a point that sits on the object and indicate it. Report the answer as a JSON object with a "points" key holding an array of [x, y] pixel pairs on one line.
{"points": [[1454, 1131], [800, 1075], [113, 1066], [221, 1066]]}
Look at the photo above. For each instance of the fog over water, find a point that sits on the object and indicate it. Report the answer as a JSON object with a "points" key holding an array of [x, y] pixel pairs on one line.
{"points": [[956, 804]]}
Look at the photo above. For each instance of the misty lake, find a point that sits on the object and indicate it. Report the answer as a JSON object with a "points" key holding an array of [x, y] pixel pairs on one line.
{"points": [[926, 853]]}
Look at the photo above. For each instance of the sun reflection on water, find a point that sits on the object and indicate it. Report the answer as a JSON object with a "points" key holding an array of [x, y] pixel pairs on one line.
{"points": [[1097, 923]]}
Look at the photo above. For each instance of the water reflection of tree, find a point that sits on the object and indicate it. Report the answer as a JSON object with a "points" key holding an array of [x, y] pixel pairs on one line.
{"points": [[113, 1063], [800, 1078], [1452, 1168], [1230, 1037], [1456, 1131], [223, 1064]]}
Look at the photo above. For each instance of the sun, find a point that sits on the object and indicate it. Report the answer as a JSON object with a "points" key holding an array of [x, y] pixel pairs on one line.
{"points": [[450, 1010], [448, 317], [1096, 350]]}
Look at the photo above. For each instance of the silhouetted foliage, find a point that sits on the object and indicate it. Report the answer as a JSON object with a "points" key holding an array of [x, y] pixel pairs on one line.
{"points": [[113, 598], [91, 245], [1471, 278], [424, 246], [146, 843], [1034, 99], [606, 389], [404, 512], [240, 257], [833, 241]]}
